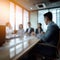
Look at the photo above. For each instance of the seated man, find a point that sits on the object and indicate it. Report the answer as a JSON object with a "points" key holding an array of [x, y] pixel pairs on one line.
{"points": [[29, 29], [50, 37]]}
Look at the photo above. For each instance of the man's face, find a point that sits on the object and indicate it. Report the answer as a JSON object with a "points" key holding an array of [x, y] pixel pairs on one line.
{"points": [[39, 25], [29, 25], [46, 20]]}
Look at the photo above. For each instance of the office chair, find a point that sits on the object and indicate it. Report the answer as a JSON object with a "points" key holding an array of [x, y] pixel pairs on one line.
{"points": [[55, 50], [46, 55]]}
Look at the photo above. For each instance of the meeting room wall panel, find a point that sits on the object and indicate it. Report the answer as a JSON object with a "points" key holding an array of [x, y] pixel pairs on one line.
{"points": [[34, 19], [4, 11]]}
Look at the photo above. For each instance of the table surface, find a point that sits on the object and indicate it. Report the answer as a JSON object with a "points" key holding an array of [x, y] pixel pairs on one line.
{"points": [[14, 48]]}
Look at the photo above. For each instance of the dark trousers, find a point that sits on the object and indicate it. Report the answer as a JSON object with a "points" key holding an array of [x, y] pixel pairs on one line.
{"points": [[46, 51]]}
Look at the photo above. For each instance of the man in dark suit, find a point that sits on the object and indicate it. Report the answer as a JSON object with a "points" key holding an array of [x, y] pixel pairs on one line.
{"points": [[51, 37], [29, 30]]}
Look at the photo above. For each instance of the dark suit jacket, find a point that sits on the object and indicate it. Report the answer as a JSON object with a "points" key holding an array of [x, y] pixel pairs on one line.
{"points": [[31, 30], [37, 32]]}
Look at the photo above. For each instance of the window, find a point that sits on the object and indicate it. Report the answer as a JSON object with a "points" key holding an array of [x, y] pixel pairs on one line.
{"points": [[26, 19], [56, 17], [18, 16], [12, 21], [41, 18], [54, 14]]}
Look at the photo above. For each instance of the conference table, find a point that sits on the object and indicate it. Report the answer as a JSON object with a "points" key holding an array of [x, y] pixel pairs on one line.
{"points": [[17, 46]]}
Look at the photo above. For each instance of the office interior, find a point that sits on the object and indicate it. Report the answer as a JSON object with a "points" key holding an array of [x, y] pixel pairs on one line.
{"points": [[16, 12]]}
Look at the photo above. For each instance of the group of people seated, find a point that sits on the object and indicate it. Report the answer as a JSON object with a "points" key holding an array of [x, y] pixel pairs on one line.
{"points": [[29, 31], [51, 36]]}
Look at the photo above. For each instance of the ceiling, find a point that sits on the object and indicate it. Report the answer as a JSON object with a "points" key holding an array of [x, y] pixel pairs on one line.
{"points": [[31, 4]]}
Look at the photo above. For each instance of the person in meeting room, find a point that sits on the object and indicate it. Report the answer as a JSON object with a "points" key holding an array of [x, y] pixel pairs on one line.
{"points": [[39, 30], [21, 30], [8, 28], [29, 30], [50, 37]]}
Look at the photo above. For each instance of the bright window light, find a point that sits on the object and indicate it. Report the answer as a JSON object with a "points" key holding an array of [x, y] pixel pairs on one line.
{"points": [[12, 15], [26, 19], [18, 16]]}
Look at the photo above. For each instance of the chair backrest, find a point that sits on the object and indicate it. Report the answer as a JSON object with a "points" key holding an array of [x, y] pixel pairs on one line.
{"points": [[58, 46], [2, 34]]}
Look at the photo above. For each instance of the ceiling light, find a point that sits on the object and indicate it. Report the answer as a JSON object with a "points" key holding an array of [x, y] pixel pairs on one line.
{"points": [[31, 8], [41, 6]]}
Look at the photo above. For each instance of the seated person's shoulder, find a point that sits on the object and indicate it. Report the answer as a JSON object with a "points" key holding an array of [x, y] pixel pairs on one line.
{"points": [[36, 28], [54, 27], [32, 28]]}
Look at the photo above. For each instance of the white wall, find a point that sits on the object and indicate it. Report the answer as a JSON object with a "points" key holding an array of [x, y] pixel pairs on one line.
{"points": [[34, 18], [4, 11]]}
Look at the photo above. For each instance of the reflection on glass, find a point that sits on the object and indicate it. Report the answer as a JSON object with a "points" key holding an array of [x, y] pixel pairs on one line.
{"points": [[17, 45], [12, 52], [12, 43], [25, 44], [25, 37], [18, 48], [18, 40]]}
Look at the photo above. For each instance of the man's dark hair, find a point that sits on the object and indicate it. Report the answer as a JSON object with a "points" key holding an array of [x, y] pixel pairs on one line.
{"points": [[49, 15], [29, 22], [40, 24]]}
